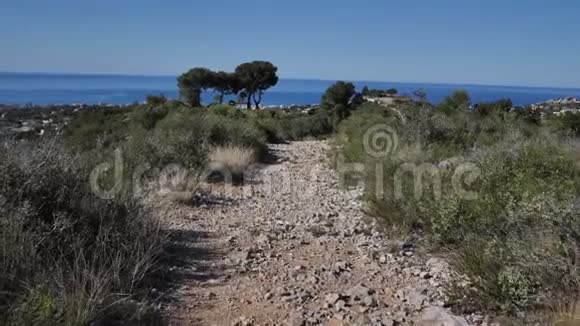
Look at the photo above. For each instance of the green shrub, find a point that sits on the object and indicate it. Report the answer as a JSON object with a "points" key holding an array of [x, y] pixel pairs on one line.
{"points": [[511, 173], [510, 238], [530, 263], [458, 101], [38, 307], [498, 107], [148, 116], [97, 129], [515, 234], [351, 132], [156, 100], [337, 100], [225, 110], [220, 130], [568, 122], [280, 126], [151, 138]]}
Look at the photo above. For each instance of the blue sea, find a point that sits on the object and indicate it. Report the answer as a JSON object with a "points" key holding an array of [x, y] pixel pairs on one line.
{"points": [[20, 88]]}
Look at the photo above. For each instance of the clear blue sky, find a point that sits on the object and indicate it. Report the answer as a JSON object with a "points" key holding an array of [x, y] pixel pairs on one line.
{"points": [[504, 42]]}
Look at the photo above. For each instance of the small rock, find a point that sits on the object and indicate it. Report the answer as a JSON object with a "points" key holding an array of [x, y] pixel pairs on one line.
{"points": [[245, 322], [297, 319], [263, 239], [363, 320], [332, 298], [214, 281], [342, 266], [441, 317], [414, 297], [370, 301], [241, 256], [389, 322], [339, 305], [360, 292], [383, 259], [313, 279]]}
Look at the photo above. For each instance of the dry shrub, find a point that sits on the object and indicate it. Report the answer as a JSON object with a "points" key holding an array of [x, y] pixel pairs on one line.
{"points": [[67, 256], [231, 159]]}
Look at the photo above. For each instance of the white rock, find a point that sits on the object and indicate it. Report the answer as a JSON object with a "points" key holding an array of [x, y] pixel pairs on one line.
{"points": [[437, 316]]}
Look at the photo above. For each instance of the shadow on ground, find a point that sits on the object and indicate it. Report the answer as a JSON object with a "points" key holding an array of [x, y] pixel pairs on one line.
{"points": [[273, 157], [189, 263]]}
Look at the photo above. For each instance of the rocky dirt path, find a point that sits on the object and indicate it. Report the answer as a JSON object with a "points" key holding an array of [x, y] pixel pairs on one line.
{"points": [[291, 248]]}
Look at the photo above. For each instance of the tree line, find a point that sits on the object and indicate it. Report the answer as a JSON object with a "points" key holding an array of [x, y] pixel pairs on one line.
{"points": [[248, 81], [378, 92]]}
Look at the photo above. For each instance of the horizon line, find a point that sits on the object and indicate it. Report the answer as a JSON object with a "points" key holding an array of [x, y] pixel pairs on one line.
{"points": [[112, 74]]}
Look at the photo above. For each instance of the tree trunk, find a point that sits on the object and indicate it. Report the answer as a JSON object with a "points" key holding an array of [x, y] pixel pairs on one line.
{"points": [[194, 98], [249, 101], [258, 99]]}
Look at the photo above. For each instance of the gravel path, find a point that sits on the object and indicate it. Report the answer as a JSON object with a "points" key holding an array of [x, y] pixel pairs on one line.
{"points": [[291, 248]]}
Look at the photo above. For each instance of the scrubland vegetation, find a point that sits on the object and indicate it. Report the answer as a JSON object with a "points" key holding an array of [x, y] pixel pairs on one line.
{"points": [[66, 256], [495, 189], [79, 241]]}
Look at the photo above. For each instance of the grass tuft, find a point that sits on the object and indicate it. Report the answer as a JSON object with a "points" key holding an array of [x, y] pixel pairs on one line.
{"points": [[231, 159]]}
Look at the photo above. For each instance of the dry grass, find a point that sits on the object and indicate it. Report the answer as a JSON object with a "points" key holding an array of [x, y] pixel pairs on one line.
{"points": [[178, 183], [68, 257], [567, 315], [232, 159]]}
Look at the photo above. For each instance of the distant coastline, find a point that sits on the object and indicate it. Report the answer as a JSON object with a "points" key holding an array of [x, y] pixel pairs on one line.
{"points": [[117, 89], [324, 80]]}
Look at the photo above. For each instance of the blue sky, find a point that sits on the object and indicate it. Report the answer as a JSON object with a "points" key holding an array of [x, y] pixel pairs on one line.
{"points": [[528, 42]]}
